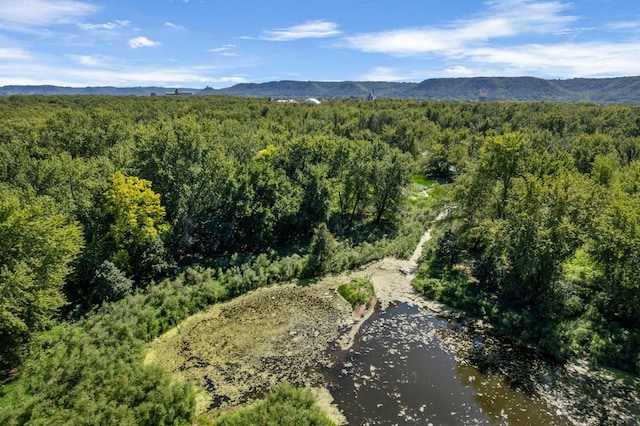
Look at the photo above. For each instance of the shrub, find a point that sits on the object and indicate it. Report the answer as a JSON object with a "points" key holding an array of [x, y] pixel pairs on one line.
{"points": [[359, 291], [322, 250], [285, 405]]}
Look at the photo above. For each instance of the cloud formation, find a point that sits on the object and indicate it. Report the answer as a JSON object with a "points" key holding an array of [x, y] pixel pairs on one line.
{"points": [[506, 18], [90, 60], [492, 43], [44, 12], [13, 53], [310, 29], [173, 26], [586, 59], [109, 73], [142, 41], [387, 74], [222, 48], [109, 26]]}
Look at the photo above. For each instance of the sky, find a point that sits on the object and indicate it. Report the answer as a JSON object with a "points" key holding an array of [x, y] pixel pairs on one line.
{"points": [[218, 43]]}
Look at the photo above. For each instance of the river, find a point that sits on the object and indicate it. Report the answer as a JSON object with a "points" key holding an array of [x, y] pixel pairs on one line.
{"points": [[398, 371], [403, 364]]}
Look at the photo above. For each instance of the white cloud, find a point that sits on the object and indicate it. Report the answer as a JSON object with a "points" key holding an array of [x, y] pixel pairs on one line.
{"points": [[222, 48], [387, 74], [90, 60], [44, 12], [142, 41], [505, 18], [459, 71], [109, 26], [587, 59], [624, 25], [310, 29], [110, 74], [173, 26], [13, 53]]}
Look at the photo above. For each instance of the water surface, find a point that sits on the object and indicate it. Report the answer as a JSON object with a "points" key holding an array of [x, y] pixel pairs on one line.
{"points": [[398, 372]]}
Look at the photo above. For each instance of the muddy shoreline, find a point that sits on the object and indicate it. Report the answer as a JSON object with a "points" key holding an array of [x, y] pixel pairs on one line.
{"points": [[237, 350]]}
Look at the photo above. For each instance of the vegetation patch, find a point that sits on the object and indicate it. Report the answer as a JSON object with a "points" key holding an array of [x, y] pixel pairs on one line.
{"points": [[285, 405], [423, 180], [357, 292], [424, 191]]}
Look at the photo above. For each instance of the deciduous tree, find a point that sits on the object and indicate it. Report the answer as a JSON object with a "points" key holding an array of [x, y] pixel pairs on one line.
{"points": [[37, 245]]}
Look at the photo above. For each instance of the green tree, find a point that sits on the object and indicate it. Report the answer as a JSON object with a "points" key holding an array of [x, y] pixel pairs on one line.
{"points": [[135, 218], [355, 180], [390, 174], [544, 224], [616, 249], [37, 245], [322, 249], [501, 160], [110, 283]]}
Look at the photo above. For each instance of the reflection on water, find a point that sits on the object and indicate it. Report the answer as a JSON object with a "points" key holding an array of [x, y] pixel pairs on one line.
{"points": [[398, 373]]}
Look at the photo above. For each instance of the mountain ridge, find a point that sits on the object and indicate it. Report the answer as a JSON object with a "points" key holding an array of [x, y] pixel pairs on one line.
{"points": [[615, 90]]}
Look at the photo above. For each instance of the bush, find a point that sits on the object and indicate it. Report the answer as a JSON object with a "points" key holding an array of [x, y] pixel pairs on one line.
{"points": [[285, 405], [359, 291], [110, 283]]}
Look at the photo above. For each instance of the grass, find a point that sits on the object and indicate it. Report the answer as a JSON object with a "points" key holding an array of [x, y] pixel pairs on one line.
{"points": [[358, 292], [423, 191], [285, 405], [423, 180]]}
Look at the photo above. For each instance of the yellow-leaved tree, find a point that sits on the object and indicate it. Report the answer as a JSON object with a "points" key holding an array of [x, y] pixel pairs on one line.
{"points": [[136, 221]]}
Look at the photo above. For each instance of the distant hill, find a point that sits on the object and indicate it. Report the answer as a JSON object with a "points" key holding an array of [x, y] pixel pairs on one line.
{"points": [[620, 90]]}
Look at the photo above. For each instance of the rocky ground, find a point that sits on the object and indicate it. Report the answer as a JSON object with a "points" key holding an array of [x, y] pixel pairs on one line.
{"points": [[237, 350]]}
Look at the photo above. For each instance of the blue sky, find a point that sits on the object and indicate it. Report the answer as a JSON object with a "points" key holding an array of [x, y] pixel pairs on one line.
{"points": [[195, 43]]}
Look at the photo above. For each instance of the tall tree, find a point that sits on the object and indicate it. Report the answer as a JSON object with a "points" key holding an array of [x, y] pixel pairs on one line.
{"points": [[136, 221], [390, 174], [37, 245], [541, 229], [501, 159]]}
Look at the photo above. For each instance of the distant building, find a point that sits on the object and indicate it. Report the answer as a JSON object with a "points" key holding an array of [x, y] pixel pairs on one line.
{"points": [[312, 101], [177, 92], [482, 97], [372, 96]]}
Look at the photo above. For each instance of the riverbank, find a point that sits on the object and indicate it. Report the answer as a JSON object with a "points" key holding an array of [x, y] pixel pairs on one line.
{"points": [[237, 350]]}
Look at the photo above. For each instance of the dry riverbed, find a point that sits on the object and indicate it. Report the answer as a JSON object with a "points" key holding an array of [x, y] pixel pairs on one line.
{"points": [[236, 350], [239, 349]]}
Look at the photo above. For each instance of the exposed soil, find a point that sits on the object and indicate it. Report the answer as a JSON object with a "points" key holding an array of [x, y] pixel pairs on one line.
{"points": [[237, 350]]}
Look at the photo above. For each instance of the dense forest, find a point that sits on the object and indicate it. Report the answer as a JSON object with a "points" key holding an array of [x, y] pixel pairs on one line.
{"points": [[121, 216]]}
